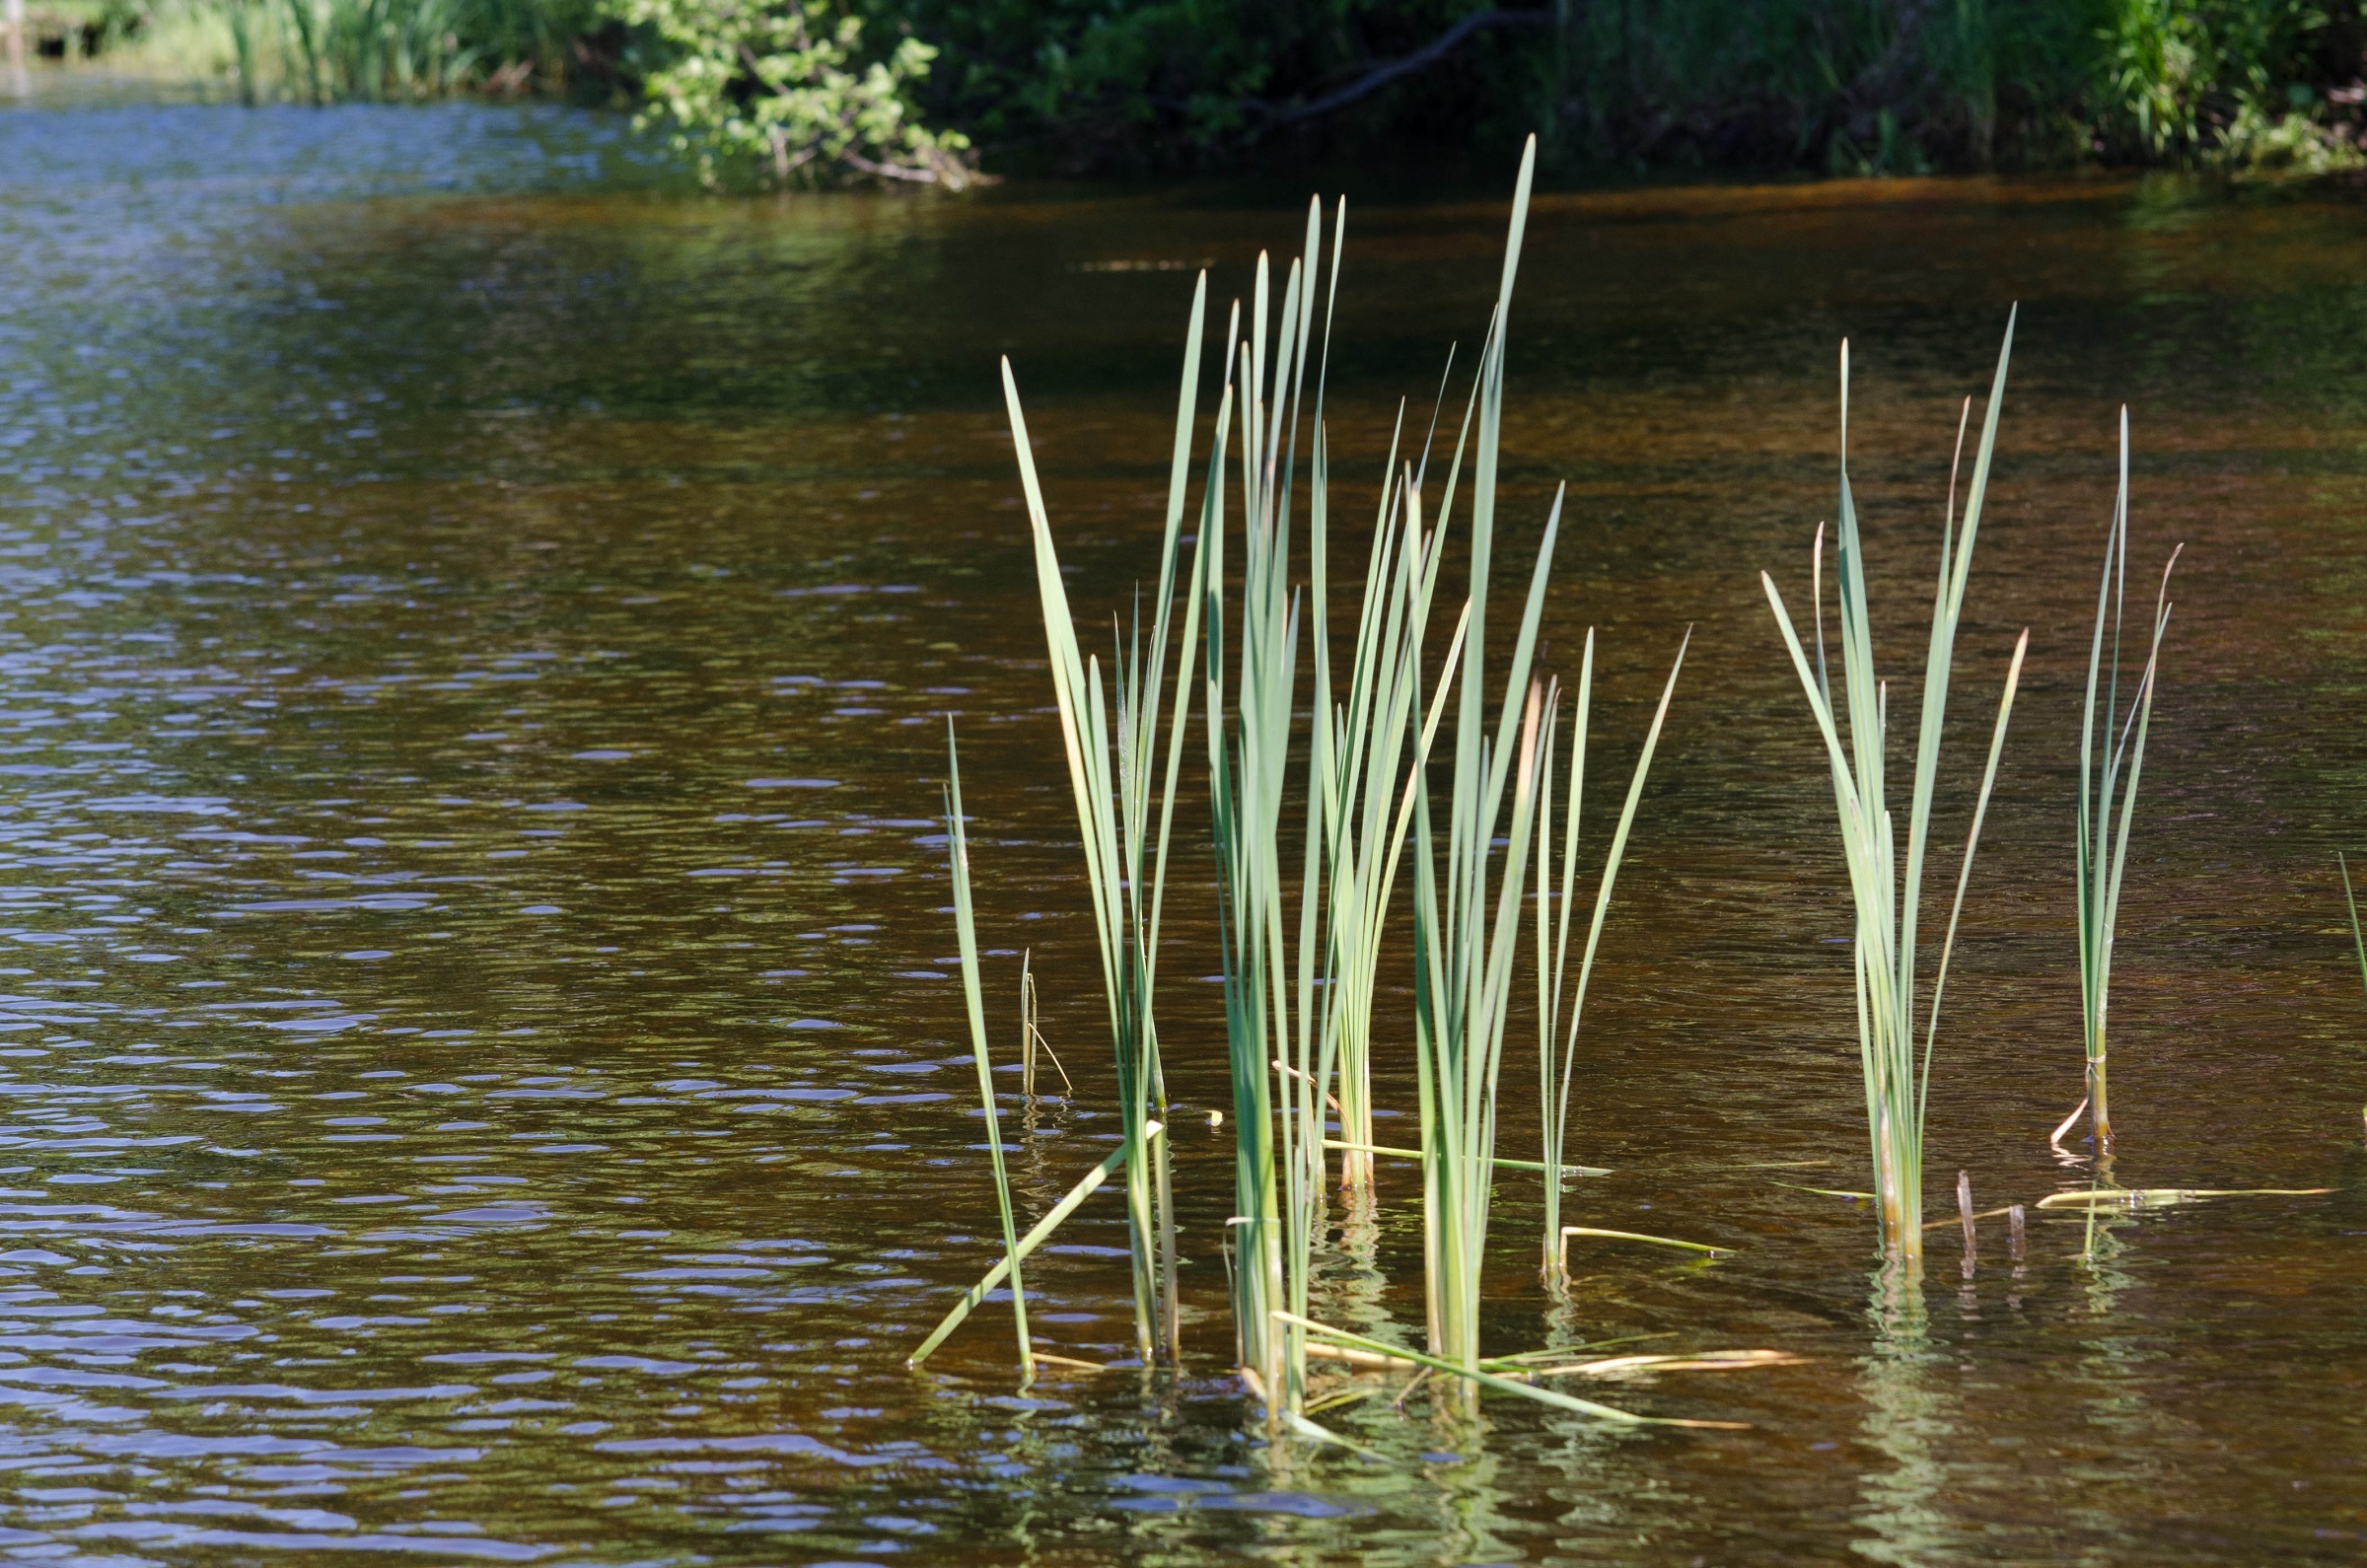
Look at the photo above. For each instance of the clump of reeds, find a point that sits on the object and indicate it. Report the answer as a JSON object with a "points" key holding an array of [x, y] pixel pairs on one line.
{"points": [[1110, 738], [1278, 1119], [1298, 983], [2104, 820], [1466, 924], [1362, 739], [1466, 903], [1888, 897]]}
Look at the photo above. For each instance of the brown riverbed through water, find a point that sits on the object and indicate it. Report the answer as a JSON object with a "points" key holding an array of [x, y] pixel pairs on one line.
{"points": [[485, 1075]]}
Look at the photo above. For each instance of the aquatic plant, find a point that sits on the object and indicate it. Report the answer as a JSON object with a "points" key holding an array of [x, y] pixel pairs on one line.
{"points": [[1359, 760], [323, 51], [1554, 908], [974, 1001], [1031, 1033], [1037, 1234], [1298, 983], [1887, 899], [1462, 947], [1110, 741], [1249, 749], [2358, 942], [2104, 821]]}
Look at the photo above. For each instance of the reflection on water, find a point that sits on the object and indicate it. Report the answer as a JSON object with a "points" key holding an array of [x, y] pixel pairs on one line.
{"points": [[481, 1071], [1906, 1422]]}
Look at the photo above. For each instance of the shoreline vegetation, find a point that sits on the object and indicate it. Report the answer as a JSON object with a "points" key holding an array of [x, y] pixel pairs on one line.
{"points": [[792, 93]]}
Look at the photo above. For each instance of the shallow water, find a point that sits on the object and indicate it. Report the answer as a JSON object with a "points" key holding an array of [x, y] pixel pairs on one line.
{"points": [[483, 1076]]}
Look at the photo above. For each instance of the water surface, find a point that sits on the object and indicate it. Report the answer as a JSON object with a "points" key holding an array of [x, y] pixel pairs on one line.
{"points": [[484, 1073]]}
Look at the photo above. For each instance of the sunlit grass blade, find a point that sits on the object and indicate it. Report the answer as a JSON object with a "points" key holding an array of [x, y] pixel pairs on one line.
{"points": [[1569, 1231], [973, 1000], [1040, 1232], [1554, 927], [1482, 1377], [2142, 1197], [2103, 817], [2357, 941]]}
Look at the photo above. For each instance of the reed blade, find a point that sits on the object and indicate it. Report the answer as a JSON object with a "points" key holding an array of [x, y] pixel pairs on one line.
{"points": [[1037, 1234], [973, 1000]]}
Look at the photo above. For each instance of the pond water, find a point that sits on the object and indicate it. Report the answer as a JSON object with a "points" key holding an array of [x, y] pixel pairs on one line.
{"points": [[482, 1072]]}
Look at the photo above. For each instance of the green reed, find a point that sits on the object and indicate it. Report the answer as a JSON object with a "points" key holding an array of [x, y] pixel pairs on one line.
{"points": [[1286, 1058], [1249, 753], [1462, 947], [2357, 941], [2102, 822], [973, 999], [1555, 909], [321, 51], [1360, 754], [1887, 905], [1299, 982], [1110, 738]]}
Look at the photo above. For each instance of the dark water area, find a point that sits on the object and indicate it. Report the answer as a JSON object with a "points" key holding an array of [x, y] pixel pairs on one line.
{"points": [[482, 1068]]}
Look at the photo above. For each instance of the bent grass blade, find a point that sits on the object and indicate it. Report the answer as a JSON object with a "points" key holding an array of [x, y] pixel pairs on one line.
{"points": [[1569, 1231], [1484, 1379], [1086, 1186], [1498, 1161], [2148, 1197]]}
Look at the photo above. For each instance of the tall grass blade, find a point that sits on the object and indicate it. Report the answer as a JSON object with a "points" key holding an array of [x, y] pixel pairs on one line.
{"points": [[1110, 737], [973, 999], [2103, 817], [2358, 942], [1552, 963]]}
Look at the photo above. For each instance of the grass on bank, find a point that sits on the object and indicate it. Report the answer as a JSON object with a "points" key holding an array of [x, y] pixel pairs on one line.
{"points": [[322, 52]]}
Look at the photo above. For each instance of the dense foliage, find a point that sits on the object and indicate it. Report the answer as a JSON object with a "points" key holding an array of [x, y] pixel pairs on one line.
{"points": [[1828, 83], [1866, 86], [786, 85], [805, 90]]}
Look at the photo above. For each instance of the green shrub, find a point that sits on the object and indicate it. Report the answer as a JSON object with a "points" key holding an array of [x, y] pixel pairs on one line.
{"points": [[784, 90]]}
